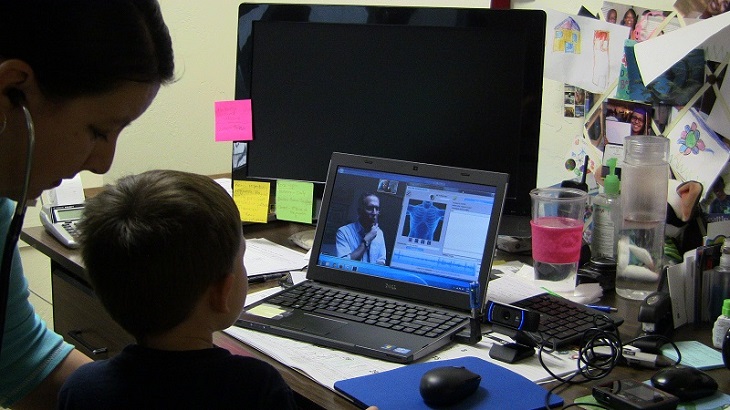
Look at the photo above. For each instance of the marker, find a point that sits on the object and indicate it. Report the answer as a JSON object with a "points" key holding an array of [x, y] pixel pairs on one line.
{"points": [[474, 299], [607, 309], [266, 277], [475, 325]]}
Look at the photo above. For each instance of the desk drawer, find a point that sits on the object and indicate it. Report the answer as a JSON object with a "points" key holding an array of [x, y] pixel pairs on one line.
{"points": [[82, 321]]}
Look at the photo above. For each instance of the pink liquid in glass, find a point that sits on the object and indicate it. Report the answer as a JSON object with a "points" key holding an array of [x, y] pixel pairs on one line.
{"points": [[556, 239]]}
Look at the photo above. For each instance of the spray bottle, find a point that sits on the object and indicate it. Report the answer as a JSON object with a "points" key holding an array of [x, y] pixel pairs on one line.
{"points": [[607, 216]]}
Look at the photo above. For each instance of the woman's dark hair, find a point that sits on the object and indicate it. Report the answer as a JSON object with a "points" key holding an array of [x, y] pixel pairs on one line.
{"points": [[82, 47]]}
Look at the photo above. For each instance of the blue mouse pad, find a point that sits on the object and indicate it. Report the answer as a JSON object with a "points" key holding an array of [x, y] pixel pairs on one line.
{"points": [[398, 389]]}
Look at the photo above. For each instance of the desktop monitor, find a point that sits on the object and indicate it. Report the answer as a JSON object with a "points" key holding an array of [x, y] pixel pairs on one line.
{"points": [[447, 86]]}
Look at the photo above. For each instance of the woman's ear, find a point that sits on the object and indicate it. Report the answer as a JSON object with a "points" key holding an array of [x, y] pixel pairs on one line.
{"points": [[17, 80], [220, 294]]}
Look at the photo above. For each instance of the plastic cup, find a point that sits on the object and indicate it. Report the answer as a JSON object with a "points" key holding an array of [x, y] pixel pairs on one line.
{"points": [[557, 235]]}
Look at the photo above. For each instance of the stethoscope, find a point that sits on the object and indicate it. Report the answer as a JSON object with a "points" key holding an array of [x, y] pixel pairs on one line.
{"points": [[13, 235]]}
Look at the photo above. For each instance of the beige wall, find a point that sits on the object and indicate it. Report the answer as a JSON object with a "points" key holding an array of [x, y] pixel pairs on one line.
{"points": [[177, 130]]}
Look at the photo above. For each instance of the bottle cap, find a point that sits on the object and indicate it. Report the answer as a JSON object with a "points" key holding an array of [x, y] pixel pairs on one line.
{"points": [[611, 184], [646, 149], [726, 307]]}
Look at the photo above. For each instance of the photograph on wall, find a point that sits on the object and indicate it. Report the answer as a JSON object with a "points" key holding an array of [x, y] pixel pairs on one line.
{"points": [[575, 102], [623, 118], [642, 22], [701, 9]]}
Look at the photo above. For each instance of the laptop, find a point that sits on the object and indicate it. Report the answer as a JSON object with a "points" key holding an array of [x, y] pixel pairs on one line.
{"points": [[435, 239]]}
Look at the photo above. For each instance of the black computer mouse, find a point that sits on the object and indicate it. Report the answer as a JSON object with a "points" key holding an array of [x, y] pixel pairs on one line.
{"points": [[687, 383], [447, 385]]}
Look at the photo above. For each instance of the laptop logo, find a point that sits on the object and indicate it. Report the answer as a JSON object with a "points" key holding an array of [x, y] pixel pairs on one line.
{"points": [[391, 286]]}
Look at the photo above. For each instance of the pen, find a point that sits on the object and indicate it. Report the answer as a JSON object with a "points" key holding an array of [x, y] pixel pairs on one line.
{"points": [[266, 277], [603, 308]]}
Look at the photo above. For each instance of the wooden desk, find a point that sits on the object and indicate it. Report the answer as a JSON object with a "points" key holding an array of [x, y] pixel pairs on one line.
{"points": [[79, 317]]}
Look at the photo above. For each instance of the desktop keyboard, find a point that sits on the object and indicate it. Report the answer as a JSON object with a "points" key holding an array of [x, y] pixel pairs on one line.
{"points": [[563, 322], [368, 309]]}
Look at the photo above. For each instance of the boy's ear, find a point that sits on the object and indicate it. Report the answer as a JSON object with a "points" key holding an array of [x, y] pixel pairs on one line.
{"points": [[220, 294]]}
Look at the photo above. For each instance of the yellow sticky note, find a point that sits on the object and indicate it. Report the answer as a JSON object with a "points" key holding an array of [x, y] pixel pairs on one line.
{"points": [[252, 199], [294, 201], [266, 310]]}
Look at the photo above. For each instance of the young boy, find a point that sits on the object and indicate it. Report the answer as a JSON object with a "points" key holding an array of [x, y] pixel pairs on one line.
{"points": [[164, 252]]}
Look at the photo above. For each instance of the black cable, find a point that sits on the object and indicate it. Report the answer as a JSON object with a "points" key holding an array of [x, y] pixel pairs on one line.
{"points": [[13, 235], [589, 366]]}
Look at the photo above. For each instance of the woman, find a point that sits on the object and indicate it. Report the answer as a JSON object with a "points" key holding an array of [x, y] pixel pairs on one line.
{"points": [[629, 20], [73, 74], [638, 122]]}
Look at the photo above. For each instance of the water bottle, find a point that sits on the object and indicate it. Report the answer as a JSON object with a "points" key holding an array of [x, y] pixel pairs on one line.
{"points": [[644, 183]]}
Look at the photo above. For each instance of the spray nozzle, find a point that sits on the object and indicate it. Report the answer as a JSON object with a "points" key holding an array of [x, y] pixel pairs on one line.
{"points": [[611, 183]]}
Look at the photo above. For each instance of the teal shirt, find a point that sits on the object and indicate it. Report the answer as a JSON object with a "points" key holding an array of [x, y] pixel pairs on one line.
{"points": [[30, 350]]}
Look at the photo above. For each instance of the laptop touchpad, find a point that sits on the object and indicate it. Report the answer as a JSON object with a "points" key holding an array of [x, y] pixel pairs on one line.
{"points": [[313, 324]]}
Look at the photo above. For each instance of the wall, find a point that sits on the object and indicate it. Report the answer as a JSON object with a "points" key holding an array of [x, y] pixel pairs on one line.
{"points": [[177, 130], [180, 121]]}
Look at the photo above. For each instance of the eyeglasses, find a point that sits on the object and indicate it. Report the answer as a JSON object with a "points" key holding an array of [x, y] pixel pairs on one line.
{"points": [[637, 119]]}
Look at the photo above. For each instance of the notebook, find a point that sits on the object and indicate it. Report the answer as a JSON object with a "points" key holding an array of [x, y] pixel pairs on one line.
{"points": [[435, 238], [500, 388]]}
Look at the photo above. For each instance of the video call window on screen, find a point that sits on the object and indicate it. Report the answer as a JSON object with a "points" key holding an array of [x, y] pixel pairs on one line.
{"points": [[435, 231], [442, 232]]}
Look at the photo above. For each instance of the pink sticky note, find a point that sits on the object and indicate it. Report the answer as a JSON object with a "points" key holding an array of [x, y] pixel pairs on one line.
{"points": [[233, 120]]}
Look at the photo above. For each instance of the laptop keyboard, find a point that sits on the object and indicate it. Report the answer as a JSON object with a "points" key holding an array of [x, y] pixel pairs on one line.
{"points": [[563, 322], [370, 310]]}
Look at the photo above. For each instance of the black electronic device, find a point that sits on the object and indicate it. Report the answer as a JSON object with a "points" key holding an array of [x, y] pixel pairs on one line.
{"points": [[512, 317], [563, 322], [448, 385], [440, 85], [630, 394], [687, 383], [655, 316], [512, 321]]}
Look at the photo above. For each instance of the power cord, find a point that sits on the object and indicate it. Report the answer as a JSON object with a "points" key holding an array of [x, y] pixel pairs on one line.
{"points": [[593, 365], [13, 235]]}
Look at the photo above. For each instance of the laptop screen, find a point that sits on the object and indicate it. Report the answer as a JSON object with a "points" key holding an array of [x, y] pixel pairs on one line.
{"points": [[427, 230]]}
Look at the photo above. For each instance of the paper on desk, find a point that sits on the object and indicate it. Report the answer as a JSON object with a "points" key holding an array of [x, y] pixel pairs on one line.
{"points": [[327, 366], [517, 285], [263, 256], [695, 354], [677, 294]]}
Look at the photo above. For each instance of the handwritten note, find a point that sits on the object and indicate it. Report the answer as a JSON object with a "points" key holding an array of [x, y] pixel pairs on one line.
{"points": [[252, 199], [294, 201], [233, 121]]}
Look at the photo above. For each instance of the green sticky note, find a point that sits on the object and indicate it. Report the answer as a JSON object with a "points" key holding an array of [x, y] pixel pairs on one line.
{"points": [[294, 201], [695, 354]]}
